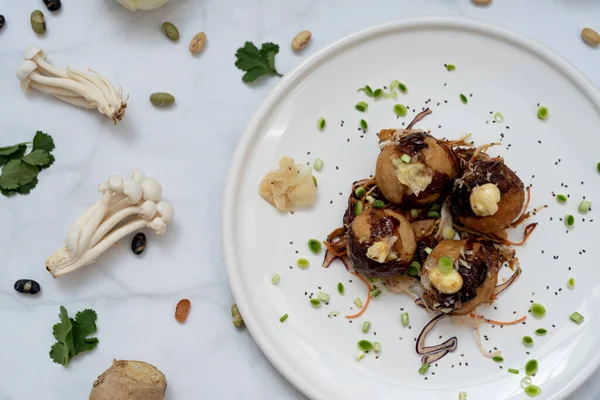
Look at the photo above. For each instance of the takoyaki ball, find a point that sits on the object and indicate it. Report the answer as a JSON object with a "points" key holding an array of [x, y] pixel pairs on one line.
{"points": [[470, 282], [415, 169], [488, 197], [381, 243]]}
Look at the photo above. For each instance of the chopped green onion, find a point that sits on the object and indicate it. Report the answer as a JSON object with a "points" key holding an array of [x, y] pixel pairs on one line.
{"points": [[340, 288], [423, 369], [377, 347], [404, 318], [577, 318], [541, 332], [323, 297], [463, 98], [358, 302], [364, 125], [571, 283], [405, 158], [315, 180], [528, 341], [433, 214], [378, 204], [598, 167], [275, 279], [334, 314], [402, 87], [400, 110], [561, 198], [513, 371], [531, 368], [390, 95], [375, 292], [569, 220], [370, 199], [283, 318], [360, 192], [461, 395], [372, 280], [526, 381], [542, 112], [318, 164], [366, 326], [414, 269], [498, 359], [428, 250], [584, 206], [302, 263], [377, 93], [414, 213], [450, 67], [448, 233], [394, 85], [315, 302], [533, 391], [367, 90], [538, 310], [321, 123], [435, 207], [445, 264], [314, 245], [498, 117], [361, 106], [358, 207], [365, 345], [360, 355]]}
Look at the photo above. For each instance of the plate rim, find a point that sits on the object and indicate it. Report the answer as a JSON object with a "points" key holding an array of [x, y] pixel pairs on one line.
{"points": [[257, 331]]}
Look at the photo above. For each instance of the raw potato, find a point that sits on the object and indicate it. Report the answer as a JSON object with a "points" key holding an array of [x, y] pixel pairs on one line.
{"points": [[130, 380], [182, 310]]}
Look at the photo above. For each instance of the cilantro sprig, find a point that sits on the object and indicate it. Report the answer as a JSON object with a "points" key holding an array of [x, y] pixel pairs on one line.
{"points": [[19, 170], [257, 63], [71, 335]]}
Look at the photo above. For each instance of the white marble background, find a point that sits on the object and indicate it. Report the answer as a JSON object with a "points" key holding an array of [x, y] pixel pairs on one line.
{"points": [[188, 148]]}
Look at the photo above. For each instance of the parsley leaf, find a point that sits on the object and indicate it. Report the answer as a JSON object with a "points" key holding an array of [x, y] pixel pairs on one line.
{"points": [[257, 63], [37, 157], [19, 172], [71, 335], [43, 141], [10, 154]]}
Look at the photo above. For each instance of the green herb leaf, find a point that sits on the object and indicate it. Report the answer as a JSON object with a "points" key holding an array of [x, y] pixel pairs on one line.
{"points": [[37, 157], [25, 189], [19, 172], [13, 155], [71, 335], [43, 141], [59, 353], [6, 151], [257, 63]]}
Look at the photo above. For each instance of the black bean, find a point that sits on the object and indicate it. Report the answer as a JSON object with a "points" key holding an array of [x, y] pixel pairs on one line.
{"points": [[138, 244], [53, 5], [2, 21], [27, 286]]}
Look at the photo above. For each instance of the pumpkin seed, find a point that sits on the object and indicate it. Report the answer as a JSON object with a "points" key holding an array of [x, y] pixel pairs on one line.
{"points": [[38, 22], [162, 99], [171, 31]]}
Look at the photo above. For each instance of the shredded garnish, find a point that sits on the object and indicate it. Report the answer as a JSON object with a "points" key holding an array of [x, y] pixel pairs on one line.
{"points": [[492, 321], [361, 312], [480, 345]]}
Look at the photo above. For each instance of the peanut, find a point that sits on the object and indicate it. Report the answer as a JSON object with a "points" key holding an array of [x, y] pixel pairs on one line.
{"points": [[300, 41], [481, 2], [198, 42], [590, 36]]}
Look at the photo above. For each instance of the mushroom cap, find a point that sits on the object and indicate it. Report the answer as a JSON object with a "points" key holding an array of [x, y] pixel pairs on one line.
{"points": [[152, 189], [138, 175], [158, 226], [33, 51], [103, 186], [148, 209], [133, 190], [25, 69], [115, 184], [165, 210], [25, 85]]}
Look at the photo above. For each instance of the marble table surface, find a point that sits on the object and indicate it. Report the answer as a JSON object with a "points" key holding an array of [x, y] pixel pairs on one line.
{"points": [[188, 148]]}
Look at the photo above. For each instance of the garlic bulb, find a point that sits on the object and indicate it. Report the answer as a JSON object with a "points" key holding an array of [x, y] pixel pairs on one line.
{"points": [[134, 5]]}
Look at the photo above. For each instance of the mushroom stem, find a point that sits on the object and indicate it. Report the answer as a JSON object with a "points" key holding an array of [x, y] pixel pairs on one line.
{"points": [[49, 68], [112, 221], [53, 90], [66, 83], [99, 91], [76, 101]]}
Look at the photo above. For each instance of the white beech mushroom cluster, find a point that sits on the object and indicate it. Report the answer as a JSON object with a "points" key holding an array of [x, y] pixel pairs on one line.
{"points": [[74, 87], [127, 205]]}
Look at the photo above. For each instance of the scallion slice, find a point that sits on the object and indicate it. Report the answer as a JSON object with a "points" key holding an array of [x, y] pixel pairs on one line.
{"points": [[315, 180], [363, 124], [445, 264], [598, 167], [463, 99], [360, 192], [561, 198], [577, 318], [584, 206], [375, 292], [358, 207], [394, 85], [513, 371], [314, 245], [541, 332], [367, 89], [370, 199], [498, 117], [414, 269], [390, 95], [569, 220], [359, 355], [450, 67], [414, 213], [361, 106], [461, 395], [358, 302], [537, 310], [318, 164], [528, 341], [321, 123], [378, 204], [433, 214], [275, 279], [365, 345], [531, 367], [448, 233], [400, 110], [423, 369], [435, 207], [533, 391], [366, 326], [334, 314], [323, 297], [542, 112], [405, 158], [340, 288], [302, 263], [315, 302], [571, 283], [498, 359], [404, 319], [283, 318], [377, 347], [402, 87], [377, 93], [428, 250]]}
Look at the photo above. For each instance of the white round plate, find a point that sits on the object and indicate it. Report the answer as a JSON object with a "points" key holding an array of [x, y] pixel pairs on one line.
{"points": [[498, 71]]}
